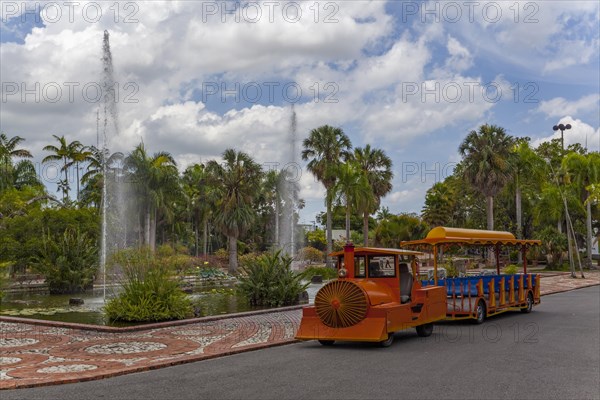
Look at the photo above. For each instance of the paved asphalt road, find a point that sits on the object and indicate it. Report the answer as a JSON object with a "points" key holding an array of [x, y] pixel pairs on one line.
{"points": [[552, 353]]}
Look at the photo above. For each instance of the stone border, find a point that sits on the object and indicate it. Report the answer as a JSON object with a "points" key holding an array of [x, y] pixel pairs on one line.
{"points": [[145, 327]]}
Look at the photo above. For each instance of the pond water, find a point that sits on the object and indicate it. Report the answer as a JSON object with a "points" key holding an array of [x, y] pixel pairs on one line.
{"points": [[40, 305]]}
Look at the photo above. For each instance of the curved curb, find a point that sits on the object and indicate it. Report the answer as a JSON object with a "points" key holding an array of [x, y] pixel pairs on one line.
{"points": [[145, 327]]}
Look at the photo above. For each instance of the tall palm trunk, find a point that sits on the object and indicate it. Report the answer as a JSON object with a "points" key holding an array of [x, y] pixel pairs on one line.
{"points": [[205, 237], [329, 234], [588, 245], [366, 229], [153, 230], [66, 188], [490, 225], [277, 222], [147, 228], [490, 212], [77, 166], [233, 262], [347, 223], [519, 217]]}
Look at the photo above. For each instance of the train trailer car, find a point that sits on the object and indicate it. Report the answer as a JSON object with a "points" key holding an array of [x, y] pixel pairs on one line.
{"points": [[376, 294], [478, 297]]}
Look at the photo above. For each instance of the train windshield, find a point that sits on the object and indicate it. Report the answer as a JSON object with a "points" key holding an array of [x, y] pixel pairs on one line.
{"points": [[383, 266]]}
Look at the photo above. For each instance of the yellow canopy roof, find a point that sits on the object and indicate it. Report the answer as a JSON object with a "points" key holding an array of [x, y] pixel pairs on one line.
{"points": [[359, 251], [445, 235]]}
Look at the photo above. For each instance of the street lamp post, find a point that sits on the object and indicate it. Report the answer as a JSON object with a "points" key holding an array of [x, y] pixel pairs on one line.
{"points": [[562, 129], [570, 233]]}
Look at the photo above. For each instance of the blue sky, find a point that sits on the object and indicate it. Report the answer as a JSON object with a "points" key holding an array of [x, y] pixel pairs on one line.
{"points": [[371, 61]]}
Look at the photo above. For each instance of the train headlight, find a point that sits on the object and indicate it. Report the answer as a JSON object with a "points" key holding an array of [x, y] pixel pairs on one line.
{"points": [[343, 272]]}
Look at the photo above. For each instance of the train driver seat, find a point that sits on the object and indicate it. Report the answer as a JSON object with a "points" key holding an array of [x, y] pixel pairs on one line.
{"points": [[406, 282]]}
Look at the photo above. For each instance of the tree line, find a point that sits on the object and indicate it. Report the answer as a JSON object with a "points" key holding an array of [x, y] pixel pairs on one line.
{"points": [[503, 183]]}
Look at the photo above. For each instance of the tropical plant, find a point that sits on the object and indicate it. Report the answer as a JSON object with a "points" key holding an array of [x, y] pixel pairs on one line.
{"points": [[311, 255], [200, 196], [325, 272], [584, 170], [64, 152], [326, 147], [155, 180], [8, 150], [69, 262], [390, 232], [271, 282], [440, 201], [488, 163], [510, 269], [235, 182], [529, 172], [149, 291], [79, 154], [352, 189], [4, 268], [377, 167], [316, 238], [555, 244]]}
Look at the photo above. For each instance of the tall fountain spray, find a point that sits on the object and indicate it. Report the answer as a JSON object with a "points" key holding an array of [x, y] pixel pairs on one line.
{"points": [[111, 189], [288, 189], [292, 183]]}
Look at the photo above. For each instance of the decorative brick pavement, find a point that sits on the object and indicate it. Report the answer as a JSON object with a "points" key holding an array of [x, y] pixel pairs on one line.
{"points": [[53, 353]]}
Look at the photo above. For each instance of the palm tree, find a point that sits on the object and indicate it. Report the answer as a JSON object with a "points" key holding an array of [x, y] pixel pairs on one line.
{"points": [[79, 154], [154, 178], [377, 167], [8, 151], [93, 179], [24, 174], [585, 171], [64, 152], [326, 147], [200, 195], [529, 171], [235, 182], [352, 188], [487, 163]]}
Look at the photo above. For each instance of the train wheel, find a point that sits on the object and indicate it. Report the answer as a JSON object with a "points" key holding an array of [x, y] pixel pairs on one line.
{"points": [[388, 342], [529, 306], [327, 342], [480, 312], [425, 330]]}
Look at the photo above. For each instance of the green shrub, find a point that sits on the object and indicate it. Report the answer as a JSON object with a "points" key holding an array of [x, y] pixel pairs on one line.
{"points": [[69, 261], [270, 281], [247, 259], [451, 270], [165, 250], [311, 255], [325, 272], [4, 268], [222, 257], [510, 269], [554, 243], [149, 292]]}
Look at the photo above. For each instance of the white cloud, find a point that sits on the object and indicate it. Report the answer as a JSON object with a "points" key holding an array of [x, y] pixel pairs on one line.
{"points": [[559, 106]]}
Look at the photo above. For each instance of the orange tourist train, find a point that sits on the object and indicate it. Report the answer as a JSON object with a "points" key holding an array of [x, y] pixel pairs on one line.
{"points": [[379, 291]]}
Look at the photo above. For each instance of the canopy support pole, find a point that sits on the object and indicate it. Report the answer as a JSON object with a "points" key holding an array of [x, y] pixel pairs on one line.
{"points": [[497, 248], [435, 264], [524, 252]]}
